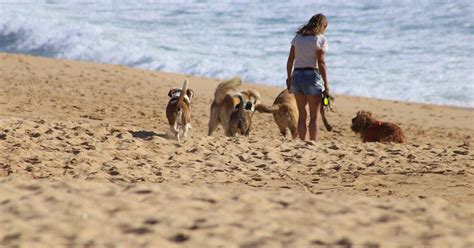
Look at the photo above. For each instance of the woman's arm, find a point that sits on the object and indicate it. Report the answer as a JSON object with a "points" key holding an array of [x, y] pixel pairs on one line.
{"points": [[320, 56], [289, 66]]}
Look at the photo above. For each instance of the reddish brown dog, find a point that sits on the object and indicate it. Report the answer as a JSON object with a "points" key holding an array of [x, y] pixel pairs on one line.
{"points": [[372, 130]]}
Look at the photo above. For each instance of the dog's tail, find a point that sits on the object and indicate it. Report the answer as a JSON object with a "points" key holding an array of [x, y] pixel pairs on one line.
{"points": [[262, 108], [224, 87], [240, 107], [182, 94], [240, 114]]}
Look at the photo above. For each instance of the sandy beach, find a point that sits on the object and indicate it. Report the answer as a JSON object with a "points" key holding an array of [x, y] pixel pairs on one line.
{"points": [[85, 161]]}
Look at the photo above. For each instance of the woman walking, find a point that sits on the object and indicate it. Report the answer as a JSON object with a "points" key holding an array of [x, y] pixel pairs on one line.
{"points": [[308, 80]]}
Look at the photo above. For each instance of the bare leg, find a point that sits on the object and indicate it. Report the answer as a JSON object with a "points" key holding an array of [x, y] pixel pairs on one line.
{"points": [[314, 103], [301, 102]]}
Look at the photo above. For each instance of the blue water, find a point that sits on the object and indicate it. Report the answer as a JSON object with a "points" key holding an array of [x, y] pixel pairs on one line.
{"points": [[421, 51]]}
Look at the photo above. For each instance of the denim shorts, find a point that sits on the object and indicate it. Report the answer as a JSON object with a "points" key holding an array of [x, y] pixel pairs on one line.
{"points": [[307, 82]]}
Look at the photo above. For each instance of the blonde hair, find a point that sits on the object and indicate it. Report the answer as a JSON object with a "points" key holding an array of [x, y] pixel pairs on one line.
{"points": [[315, 26]]}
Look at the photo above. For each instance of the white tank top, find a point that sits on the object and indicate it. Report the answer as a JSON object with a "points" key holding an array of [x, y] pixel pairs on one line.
{"points": [[305, 49]]}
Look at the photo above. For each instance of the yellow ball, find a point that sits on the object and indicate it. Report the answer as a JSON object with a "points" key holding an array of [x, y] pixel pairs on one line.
{"points": [[326, 101]]}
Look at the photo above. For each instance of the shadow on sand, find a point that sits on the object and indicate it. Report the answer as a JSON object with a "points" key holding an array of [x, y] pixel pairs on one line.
{"points": [[146, 135]]}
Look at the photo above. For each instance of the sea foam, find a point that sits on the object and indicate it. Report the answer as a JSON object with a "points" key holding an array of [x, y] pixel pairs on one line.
{"points": [[418, 51]]}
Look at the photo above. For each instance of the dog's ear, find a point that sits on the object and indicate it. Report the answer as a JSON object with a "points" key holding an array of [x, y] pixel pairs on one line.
{"points": [[254, 95], [190, 94], [170, 93]]}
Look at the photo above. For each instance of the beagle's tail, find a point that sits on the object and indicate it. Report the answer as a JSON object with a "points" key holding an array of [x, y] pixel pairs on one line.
{"points": [[183, 92]]}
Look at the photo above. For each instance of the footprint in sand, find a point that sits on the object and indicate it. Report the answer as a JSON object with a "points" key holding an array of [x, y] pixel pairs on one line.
{"points": [[11, 237], [35, 135], [31, 187], [74, 151], [194, 150], [137, 230], [315, 180], [111, 171], [394, 151], [459, 152], [143, 191], [33, 160], [333, 147], [245, 159], [286, 150], [151, 221], [87, 146], [179, 238]]}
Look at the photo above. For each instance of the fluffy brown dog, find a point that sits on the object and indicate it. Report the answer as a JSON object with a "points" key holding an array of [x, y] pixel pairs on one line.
{"points": [[178, 111], [285, 113], [240, 119], [371, 130], [225, 101]]}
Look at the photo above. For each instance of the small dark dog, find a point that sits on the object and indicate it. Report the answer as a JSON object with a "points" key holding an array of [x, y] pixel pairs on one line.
{"points": [[371, 130], [241, 118]]}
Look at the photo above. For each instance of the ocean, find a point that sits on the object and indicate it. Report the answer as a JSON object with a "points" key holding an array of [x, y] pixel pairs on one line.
{"points": [[418, 51]]}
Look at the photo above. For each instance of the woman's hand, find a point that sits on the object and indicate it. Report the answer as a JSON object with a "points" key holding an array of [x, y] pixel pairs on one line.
{"points": [[326, 92], [288, 83]]}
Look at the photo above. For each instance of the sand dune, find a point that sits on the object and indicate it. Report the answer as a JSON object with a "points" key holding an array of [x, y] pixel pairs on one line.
{"points": [[85, 161]]}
